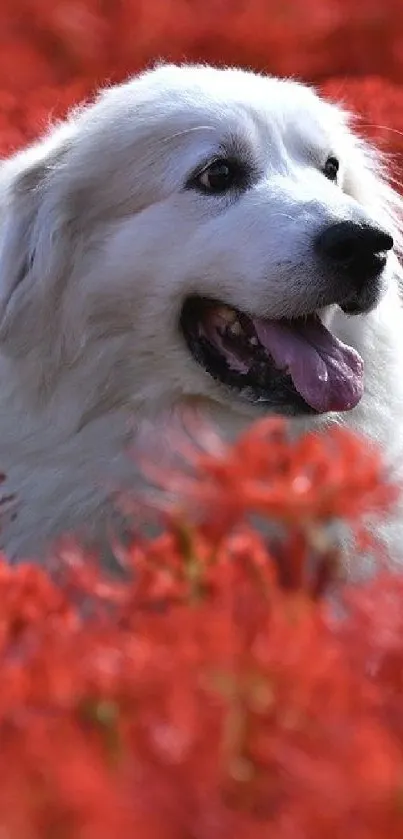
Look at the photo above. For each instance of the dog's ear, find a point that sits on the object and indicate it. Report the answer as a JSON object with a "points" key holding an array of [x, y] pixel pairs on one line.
{"points": [[34, 248]]}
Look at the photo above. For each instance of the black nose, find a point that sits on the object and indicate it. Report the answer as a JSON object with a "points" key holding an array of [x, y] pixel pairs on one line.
{"points": [[356, 250]]}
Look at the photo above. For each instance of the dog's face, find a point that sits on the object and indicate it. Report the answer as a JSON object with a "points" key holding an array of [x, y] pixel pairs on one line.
{"points": [[190, 236]]}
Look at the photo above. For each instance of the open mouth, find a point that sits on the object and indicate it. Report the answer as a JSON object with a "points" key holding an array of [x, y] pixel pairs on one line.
{"points": [[295, 366]]}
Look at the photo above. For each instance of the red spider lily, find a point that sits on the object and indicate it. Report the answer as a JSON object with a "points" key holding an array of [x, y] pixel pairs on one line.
{"points": [[203, 697], [307, 489], [220, 689], [51, 55]]}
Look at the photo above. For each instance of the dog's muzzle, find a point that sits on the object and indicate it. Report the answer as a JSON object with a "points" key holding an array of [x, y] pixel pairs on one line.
{"points": [[295, 365]]}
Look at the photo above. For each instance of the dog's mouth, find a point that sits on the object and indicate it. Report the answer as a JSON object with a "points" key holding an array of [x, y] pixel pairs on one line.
{"points": [[296, 365]]}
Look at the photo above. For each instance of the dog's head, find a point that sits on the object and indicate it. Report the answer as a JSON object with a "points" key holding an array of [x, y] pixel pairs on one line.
{"points": [[189, 236]]}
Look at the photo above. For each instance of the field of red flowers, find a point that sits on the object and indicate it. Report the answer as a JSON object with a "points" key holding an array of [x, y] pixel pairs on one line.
{"points": [[230, 686], [217, 691], [53, 53]]}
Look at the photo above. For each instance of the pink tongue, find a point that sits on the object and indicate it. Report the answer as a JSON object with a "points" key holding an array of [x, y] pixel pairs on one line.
{"points": [[328, 374]]}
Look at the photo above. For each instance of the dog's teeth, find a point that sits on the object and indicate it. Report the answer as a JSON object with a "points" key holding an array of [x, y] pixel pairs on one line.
{"points": [[235, 329], [226, 314], [253, 341]]}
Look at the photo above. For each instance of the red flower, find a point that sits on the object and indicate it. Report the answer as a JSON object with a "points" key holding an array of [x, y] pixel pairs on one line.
{"points": [[302, 485], [52, 55], [219, 690], [204, 698]]}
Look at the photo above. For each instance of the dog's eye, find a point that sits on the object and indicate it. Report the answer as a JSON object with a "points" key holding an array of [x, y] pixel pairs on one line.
{"points": [[218, 177], [331, 168]]}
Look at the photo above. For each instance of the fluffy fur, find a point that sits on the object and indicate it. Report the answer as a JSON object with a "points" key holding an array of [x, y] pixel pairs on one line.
{"points": [[99, 245]]}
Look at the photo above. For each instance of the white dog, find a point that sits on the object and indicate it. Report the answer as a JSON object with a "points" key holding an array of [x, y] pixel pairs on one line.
{"points": [[198, 237]]}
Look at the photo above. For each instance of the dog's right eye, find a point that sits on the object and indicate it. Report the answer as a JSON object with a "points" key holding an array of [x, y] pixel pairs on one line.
{"points": [[218, 177]]}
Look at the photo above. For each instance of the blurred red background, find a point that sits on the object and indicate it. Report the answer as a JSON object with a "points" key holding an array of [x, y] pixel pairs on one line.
{"points": [[53, 52], [107, 728]]}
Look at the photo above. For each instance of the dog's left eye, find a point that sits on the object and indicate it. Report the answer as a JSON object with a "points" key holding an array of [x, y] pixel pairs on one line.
{"points": [[218, 177], [331, 168]]}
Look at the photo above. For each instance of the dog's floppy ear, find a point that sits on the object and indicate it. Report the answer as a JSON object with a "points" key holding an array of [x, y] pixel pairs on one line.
{"points": [[34, 250]]}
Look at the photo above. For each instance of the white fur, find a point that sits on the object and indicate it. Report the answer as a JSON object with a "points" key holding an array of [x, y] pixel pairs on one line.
{"points": [[100, 243]]}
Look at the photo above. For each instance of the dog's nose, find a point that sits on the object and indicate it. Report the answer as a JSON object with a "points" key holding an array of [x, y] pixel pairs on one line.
{"points": [[357, 250]]}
